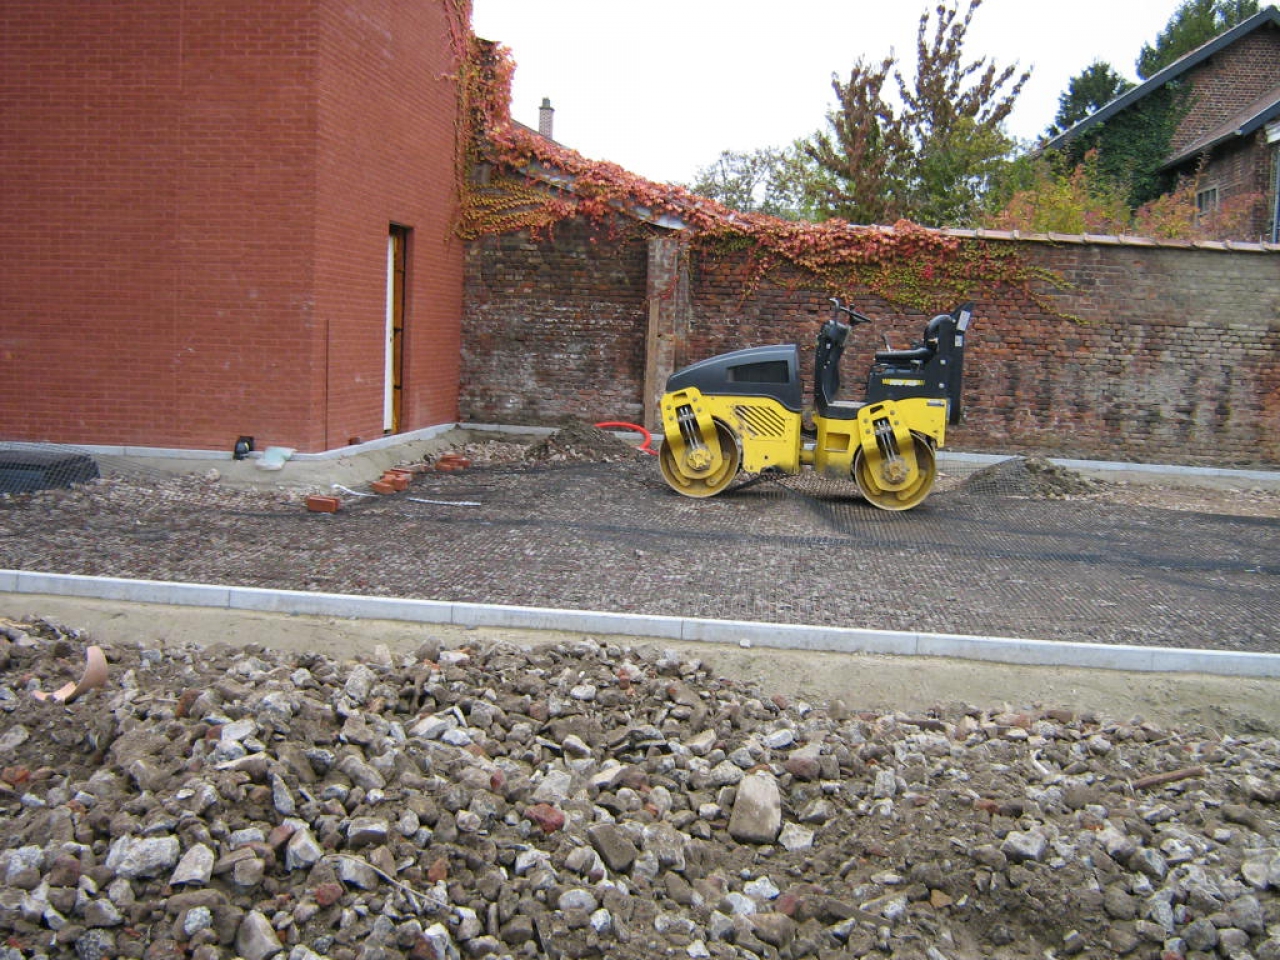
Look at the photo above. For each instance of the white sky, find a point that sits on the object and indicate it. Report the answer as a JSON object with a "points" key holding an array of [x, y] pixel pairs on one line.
{"points": [[661, 87]]}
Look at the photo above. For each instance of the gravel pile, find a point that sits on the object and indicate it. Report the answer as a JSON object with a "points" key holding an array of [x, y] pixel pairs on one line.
{"points": [[587, 799], [575, 441], [1033, 477]]}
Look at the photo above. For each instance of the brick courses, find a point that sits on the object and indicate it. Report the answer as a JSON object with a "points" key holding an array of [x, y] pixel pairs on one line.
{"points": [[554, 327], [1233, 80], [1228, 82], [1175, 357], [197, 202]]}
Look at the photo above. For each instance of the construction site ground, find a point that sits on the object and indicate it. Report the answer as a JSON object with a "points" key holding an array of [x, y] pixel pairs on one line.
{"points": [[580, 521], [969, 809]]}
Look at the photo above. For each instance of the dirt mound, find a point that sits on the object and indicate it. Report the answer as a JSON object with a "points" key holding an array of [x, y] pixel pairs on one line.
{"points": [[1029, 477], [583, 442], [590, 799]]}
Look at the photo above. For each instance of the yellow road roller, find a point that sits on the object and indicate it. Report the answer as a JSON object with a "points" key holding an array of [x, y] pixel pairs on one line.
{"points": [[743, 412]]}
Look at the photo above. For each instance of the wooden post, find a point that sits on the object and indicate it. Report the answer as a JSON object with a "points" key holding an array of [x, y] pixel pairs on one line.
{"points": [[667, 296]]}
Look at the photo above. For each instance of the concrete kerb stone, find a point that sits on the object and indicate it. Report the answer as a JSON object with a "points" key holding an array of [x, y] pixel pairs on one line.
{"points": [[577, 621], [301, 603], [1133, 472], [115, 588], [1008, 650]]}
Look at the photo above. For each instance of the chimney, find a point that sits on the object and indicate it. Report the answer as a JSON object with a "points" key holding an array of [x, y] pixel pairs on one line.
{"points": [[546, 114]]}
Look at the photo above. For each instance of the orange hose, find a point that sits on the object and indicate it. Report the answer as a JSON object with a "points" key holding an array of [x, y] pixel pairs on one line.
{"points": [[647, 446]]}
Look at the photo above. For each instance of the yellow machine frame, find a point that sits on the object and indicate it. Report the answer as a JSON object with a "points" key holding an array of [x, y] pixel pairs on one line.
{"points": [[743, 410], [886, 447]]}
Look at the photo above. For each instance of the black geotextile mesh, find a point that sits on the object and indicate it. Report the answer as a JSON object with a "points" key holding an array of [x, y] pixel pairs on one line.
{"points": [[26, 467], [1017, 549]]}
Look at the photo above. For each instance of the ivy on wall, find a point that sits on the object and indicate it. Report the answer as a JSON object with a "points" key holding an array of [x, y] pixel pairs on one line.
{"points": [[1134, 144], [516, 180]]}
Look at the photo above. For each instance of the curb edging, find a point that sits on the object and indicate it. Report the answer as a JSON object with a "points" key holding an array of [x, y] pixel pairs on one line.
{"points": [[851, 640]]}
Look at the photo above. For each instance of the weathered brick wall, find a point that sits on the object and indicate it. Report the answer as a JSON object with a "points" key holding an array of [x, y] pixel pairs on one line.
{"points": [[1175, 356], [554, 328], [1221, 87], [1242, 171], [1228, 82]]}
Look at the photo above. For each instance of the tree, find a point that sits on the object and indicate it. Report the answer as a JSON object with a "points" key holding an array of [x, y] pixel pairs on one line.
{"points": [[860, 160], [932, 158], [1094, 87], [768, 181], [1134, 144], [1055, 200], [1194, 23]]}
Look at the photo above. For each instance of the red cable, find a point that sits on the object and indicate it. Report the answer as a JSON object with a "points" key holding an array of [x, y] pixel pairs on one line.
{"points": [[647, 446]]}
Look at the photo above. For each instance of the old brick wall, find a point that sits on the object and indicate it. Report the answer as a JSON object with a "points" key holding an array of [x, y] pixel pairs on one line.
{"points": [[554, 327], [1175, 356], [196, 206], [1221, 87], [1242, 172], [1226, 83]]}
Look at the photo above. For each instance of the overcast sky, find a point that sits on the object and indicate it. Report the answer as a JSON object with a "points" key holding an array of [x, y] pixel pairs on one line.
{"points": [[661, 87]]}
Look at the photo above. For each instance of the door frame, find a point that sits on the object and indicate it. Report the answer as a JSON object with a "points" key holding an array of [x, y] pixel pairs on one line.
{"points": [[393, 372]]}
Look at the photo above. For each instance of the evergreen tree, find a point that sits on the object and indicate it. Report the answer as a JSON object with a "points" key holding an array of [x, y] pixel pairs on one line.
{"points": [[1091, 89], [1194, 23]]}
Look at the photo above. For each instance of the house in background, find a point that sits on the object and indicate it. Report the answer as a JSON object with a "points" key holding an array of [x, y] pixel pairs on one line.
{"points": [[1230, 131], [231, 219]]}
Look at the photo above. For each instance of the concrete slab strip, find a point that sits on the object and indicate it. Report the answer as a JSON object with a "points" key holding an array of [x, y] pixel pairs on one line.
{"points": [[1010, 650]]}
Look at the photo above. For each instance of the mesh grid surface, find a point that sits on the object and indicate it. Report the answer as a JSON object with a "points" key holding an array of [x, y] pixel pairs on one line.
{"points": [[1004, 552]]}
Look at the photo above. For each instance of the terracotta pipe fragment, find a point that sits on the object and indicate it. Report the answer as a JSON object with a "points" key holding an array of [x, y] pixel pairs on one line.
{"points": [[95, 675]]}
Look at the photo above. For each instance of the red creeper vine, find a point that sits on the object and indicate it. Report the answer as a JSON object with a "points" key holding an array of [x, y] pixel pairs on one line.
{"points": [[533, 183]]}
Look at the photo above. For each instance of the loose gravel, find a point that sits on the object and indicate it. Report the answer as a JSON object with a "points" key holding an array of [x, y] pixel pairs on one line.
{"points": [[592, 799]]}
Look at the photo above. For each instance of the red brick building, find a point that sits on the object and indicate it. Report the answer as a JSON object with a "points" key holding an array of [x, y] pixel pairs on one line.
{"points": [[1230, 133], [228, 219]]}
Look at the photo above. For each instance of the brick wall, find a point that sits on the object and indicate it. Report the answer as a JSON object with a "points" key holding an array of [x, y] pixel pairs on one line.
{"points": [[1227, 83], [1176, 358], [554, 327], [1221, 87], [196, 206], [386, 139], [1241, 171]]}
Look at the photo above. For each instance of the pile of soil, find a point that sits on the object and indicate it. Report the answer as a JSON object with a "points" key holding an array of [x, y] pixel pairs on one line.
{"points": [[576, 441], [589, 799], [1029, 477]]}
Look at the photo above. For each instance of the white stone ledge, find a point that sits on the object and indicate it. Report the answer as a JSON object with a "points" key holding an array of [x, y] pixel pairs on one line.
{"points": [[746, 633]]}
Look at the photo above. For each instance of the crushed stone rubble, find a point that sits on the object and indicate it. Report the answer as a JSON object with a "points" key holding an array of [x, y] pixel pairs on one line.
{"points": [[589, 799]]}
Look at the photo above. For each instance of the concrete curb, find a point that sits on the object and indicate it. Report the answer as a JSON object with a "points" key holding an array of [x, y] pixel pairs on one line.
{"points": [[1008, 650], [1116, 469]]}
